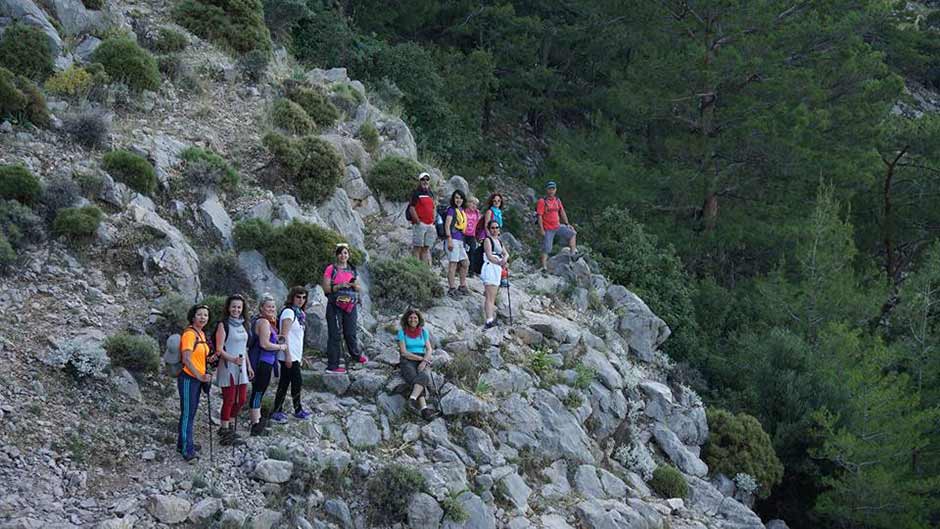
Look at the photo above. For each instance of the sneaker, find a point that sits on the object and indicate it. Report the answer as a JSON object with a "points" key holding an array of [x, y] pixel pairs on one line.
{"points": [[428, 413], [463, 291], [336, 371], [490, 324], [279, 417], [190, 457], [413, 404], [302, 414], [543, 272], [452, 292], [363, 359], [257, 429]]}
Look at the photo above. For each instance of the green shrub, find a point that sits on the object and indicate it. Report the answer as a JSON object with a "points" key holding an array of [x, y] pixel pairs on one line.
{"points": [[252, 234], [77, 223], [25, 51], [18, 224], [235, 24], [17, 183], [313, 101], [138, 353], [395, 177], [73, 81], [390, 490], [405, 282], [347, 97], [282, 15], [174, 308], [21, 99], [88, 128], [585, 375], [253, 65], [207, 168], [128, 63], [96, 5], [668, 482], [7, 253], [221, 275], [132, 169], [315, 243], [312, 164], [369, 136], [454, 510], [738, 444], [170, 41], [291, 117]]}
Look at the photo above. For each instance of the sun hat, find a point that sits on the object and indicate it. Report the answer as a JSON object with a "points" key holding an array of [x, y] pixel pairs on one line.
{"points": [[551, 185], [424, 175]]}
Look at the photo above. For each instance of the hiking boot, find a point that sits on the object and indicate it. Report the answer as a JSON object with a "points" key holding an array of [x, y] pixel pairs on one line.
{"points": [[490, 324], [279, 417], [463, 291], [336, 371], [428, 414], [413, 404], [452, 292], [190, 457], [228, 437], [302, 414], [257, 429], [543, 272]]}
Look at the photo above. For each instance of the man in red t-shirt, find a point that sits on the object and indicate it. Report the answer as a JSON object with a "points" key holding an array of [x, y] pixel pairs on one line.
{"points": [[421, 212], [552, 220]]}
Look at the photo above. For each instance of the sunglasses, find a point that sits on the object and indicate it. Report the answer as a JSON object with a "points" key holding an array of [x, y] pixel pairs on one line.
{"points": [[494, 227]]}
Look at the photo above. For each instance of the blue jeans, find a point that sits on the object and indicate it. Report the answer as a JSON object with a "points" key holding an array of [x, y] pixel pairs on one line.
{"points": [[189, 389]]}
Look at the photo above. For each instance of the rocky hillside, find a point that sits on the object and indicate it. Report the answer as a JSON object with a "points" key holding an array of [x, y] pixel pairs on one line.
{"points": [[558, 420]]}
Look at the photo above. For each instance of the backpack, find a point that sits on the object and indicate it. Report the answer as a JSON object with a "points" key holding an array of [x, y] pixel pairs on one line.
{"points": [[408, 213], [439, 221], [173, 356], [477, 256], [351, 293]]}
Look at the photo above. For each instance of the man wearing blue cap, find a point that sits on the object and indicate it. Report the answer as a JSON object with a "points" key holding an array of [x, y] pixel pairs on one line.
{"points": [[552, 220]]}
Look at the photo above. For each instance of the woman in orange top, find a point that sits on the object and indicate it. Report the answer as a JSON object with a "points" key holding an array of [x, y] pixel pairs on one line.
{"points": [[195, 355]]}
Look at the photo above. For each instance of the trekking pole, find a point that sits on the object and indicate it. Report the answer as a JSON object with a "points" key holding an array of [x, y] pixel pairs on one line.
{"points": [[237, 386], [509, 300], [209, 419]]}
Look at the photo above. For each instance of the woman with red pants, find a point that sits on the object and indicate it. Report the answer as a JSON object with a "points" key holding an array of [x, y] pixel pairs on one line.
{"points": [[231, 335]]}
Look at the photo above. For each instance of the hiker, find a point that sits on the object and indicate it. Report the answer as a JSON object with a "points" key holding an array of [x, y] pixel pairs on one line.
{"points": [[195, 356], [414, 344], [263, 355], [341, 286], [474, 221], [493, 211], [495, 258], [231, 335], [454, 225], [552, 221], [421, 213], [293, 322]]}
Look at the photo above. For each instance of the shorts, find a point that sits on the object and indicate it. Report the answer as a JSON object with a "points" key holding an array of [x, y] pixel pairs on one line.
{"points": [[423, 235], [565, 232], [409, 372], [491, 274], [458, 254]]}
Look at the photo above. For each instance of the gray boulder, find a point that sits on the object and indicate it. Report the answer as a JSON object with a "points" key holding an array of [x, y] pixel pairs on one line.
{"points": [[424, 512], [339, 215], [480, 446], [75, 19], [777, 524], [262, 278], [205, 509], [480, 515], [165, 152], [339, 511], [126, 522], [608, 514], [515, 490], [398, 140], [687, 461], [705, 498], [351, 150], [274, 471], [454, 183], [460, 402], [643, 330], [126, 384], [557, 476], [554, 521], [233, 519], [85, 48], [28, 13], [216, 220], [170, 255], [168, 509], [360, 196], [266, 519], [508, 380], [362, 431], [575, 270], [561, 433]]}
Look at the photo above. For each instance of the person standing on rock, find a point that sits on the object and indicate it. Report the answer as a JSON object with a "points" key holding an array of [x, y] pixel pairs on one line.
{"points": [[457, 260], [195, 357], [421, 213], [414, 344], [474, 221], [234, 372], [493, 212], [495, 259], [293, 320], [263, 355], [341, 286], [552, 221]]}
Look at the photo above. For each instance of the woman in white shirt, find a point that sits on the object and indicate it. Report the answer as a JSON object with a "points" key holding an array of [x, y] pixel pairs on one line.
{"points": [[292, 322]]}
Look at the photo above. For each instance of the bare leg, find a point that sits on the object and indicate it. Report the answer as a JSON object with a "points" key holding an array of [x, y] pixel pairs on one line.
{"points": [[416, 392], [573, 243], [464, 266], [544, 260], [451, 273]]}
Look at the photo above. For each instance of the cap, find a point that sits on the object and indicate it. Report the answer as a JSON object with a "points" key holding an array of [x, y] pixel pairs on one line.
{"points": [[422, 176], [551, 185]]}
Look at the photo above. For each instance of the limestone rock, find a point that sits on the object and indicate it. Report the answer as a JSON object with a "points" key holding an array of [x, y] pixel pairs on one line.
{"points": [[643, 330], [457, 183], [557, 476], [480, 446], [339, 511], [205, 509], [480, 514], [85, 48], [75, 19], [554, 521], [262, 278], [266, 519], [126, 522], [362, 430], [169, 509], [233, 519], [274, 471], [604, 514], [703, 497], [678, 452], [515, 490], [460, 402], [126, 384], [339, 215], [398, 140], [777, 524], [216, 220], [27, 12], [171, 255], [424, 512]]}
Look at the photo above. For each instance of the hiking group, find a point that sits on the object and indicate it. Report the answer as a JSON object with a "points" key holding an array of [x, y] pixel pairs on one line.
{"points": [[251, 350]]}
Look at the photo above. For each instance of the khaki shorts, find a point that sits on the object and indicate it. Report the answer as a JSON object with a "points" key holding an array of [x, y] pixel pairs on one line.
{"points": [[423, 235], [458, 254]]}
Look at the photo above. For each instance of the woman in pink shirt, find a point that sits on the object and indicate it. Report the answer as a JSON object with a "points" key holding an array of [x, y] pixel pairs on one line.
{"points": [[341, 286], [474, 218]]}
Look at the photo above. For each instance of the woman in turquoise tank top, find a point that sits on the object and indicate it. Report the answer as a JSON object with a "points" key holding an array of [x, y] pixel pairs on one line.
{"points": [[414, 344]]}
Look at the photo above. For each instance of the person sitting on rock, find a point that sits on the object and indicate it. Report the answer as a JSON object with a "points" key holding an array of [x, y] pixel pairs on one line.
{"points": [[414, 344], [454, 226], [422, 213], [263, 356], [194, 378], [341, 286], [231, 337], [293, 322], [553, 220], [495, 258]]}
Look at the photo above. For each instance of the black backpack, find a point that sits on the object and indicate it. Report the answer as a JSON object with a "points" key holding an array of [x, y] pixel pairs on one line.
{"points": [[477, 256], [439, 221]]}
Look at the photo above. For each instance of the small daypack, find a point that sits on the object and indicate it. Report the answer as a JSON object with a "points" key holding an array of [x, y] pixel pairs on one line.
{"points": [[439, 221], [345, 299], [408, 213], [173, 356], [477, 256]]}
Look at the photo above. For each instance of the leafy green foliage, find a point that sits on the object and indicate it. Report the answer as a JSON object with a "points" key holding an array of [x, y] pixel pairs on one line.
{"points": [[131, 169], [20, 99], [313, 101], [220, 275], [18, 224], [77, 223], [405, 282], [369, 136], [281, 245], [738, 444], [18, 183], [253, 64], [7, 254], [170, 41], [235, 24], [127, 62], [206, 168], [390, 490], [25, 50], [585, 375], [394, 177], [73, 81], [312, 164], [668, 482], [454, 510], [291, 117], [138, 353], [94, 4], [282, 15]]}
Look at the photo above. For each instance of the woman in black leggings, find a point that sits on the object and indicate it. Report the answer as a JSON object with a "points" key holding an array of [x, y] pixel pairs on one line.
{"points": [[263, 355]]}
